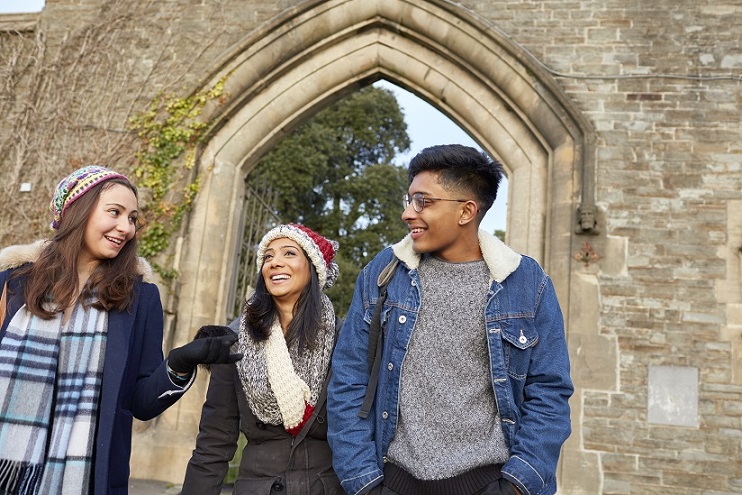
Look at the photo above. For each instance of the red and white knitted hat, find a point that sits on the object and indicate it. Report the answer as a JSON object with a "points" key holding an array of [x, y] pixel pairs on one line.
{"points": [[320, 250]]}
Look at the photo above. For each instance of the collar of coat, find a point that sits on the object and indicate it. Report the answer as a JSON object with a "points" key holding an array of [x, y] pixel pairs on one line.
{"points": [[501, 260], [15, 256]]}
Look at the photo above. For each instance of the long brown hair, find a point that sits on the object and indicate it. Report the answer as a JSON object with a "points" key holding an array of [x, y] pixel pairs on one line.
{"points": [[54, 275]]}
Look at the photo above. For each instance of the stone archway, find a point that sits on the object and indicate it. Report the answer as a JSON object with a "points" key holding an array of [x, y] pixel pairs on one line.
{"points": [[319, 51]]}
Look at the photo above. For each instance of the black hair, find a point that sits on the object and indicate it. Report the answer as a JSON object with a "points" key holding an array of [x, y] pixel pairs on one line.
{"points": [[261, 312], [461, 167]]}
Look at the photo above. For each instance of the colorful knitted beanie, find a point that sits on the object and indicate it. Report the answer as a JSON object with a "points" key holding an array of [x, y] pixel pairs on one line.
{"points": [[75, 185], [321, 251]]}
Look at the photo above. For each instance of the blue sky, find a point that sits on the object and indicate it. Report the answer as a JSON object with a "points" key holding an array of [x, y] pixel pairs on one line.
{"points": [[21, 5], [426, 126]]}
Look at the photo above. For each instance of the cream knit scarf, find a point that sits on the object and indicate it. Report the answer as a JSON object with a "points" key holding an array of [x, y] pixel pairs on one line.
{"points": [[281, 385]]}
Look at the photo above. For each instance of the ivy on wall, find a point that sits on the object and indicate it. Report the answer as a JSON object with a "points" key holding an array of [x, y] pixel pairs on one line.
{"points": [[170, 129]]}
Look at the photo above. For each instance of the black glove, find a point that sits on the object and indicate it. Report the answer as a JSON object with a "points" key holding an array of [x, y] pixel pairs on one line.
{"points": [[213, 331], [205, 349]]}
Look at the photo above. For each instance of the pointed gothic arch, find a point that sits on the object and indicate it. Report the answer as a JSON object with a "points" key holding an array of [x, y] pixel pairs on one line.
{"points": [[322, 50], [319, 51]]}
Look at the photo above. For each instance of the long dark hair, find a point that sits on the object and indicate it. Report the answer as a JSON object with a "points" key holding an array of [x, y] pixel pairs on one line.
{"points": [[55, 272], [261, 312]]}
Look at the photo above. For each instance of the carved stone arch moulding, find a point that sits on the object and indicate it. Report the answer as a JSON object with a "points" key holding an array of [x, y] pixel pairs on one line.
{"points": [[319, 51]]}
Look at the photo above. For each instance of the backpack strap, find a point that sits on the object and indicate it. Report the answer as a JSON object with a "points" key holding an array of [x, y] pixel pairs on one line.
{"points": [[376, 338]]}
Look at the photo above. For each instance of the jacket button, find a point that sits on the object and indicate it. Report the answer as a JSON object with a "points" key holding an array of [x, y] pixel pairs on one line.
{"points": [[260, 425], [277, 486], [522, 339], [390, 366], [385, 415], [402, 319]]}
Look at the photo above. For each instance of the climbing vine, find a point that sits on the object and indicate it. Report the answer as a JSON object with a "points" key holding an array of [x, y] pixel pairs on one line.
{"points": [[170, 128]]}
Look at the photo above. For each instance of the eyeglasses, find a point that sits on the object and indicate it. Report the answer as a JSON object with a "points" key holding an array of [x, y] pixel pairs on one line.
{"points": [[419, 202]]}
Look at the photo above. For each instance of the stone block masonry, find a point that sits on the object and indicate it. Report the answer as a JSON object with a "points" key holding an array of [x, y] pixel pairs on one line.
{"points": [[660, 85]]}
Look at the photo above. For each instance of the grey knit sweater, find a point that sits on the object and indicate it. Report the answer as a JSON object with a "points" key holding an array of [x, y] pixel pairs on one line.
{"points": [[448, 422]]}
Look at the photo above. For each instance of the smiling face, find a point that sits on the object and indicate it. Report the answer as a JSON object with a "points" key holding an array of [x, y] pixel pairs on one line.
{"points": [[285, 270], [112, 223], [443, 228]]}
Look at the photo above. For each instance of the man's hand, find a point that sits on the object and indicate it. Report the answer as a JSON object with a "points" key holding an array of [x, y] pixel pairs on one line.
{"points": [[509, 488], [377, 490]]}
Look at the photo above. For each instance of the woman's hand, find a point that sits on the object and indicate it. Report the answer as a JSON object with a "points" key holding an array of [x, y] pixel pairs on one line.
{"points": [[204, 350]]}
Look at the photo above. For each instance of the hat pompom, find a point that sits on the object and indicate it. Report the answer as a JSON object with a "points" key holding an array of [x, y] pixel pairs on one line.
{"points": [[333, 271]]}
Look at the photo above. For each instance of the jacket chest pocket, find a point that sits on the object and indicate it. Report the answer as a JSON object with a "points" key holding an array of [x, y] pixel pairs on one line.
{"points": [[519, 337]]}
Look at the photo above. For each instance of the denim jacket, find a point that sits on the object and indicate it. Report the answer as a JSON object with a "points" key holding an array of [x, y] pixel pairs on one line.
{"points": [[529, 364]]}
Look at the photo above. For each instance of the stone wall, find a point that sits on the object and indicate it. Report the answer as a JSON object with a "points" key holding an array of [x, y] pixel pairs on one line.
{"points": [[659, 83]]}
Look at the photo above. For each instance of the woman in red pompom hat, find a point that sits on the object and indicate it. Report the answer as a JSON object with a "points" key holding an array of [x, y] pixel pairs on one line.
{"points": [[276, 394]]}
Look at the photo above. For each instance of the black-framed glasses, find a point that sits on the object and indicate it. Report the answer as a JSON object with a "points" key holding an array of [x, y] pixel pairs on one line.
{"points": [[419, 202]]}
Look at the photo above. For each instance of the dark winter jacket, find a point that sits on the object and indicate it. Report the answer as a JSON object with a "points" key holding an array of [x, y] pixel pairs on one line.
{"points": [[272, 458]]}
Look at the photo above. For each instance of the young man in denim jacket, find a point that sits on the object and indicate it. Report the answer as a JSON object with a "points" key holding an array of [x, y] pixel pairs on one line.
{"points": [[473, 372]]}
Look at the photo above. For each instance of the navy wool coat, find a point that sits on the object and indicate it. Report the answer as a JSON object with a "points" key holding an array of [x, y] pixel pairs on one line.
{"points": [[135, 380]]}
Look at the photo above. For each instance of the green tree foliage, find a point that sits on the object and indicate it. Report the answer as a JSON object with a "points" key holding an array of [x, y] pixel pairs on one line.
{"points": [[335, 175]]}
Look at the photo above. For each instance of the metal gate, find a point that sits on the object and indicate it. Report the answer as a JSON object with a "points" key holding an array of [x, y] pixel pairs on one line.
{"points": [[257, 218]]}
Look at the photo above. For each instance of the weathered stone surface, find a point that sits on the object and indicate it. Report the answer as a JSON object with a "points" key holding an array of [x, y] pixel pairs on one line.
{"points": [[642, 97]]}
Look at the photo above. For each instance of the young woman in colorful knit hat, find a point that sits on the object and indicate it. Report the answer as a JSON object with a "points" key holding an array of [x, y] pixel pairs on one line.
{"points": [[81, 345], [276, 394]]}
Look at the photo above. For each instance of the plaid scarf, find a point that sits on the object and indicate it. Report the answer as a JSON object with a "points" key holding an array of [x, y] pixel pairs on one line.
{"points": [[281, 385], [50, 380]]}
